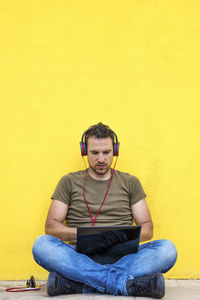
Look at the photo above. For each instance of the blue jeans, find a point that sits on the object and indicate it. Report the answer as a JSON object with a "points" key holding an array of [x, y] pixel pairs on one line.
{"points": [[105, 273]]}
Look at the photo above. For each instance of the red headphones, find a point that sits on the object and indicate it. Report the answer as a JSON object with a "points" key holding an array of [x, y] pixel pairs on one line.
{"points": [[83, 145]]}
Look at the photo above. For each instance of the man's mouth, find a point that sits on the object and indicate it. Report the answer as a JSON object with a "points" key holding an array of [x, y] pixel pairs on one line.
{"points": [[100, 166]]}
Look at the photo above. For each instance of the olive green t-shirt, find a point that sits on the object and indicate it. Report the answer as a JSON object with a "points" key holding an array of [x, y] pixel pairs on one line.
{"points": [[125, 190]]}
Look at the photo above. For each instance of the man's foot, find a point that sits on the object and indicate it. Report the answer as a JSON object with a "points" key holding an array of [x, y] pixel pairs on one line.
{"points": [[58, 284], [147, 286]]}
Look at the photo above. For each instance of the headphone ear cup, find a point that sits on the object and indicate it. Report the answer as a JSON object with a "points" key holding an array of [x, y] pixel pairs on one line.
{"points": [[83, 149], [116, 149]]}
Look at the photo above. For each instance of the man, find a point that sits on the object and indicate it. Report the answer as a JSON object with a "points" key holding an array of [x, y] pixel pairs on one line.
{"points": [[101, 196]]}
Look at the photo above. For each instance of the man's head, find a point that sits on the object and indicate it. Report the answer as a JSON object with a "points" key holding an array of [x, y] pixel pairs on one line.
{"points": [[99, 144], [99, 131]]}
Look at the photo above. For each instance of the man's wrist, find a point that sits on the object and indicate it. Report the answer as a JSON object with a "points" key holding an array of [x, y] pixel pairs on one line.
{"points": [[71, 233]]}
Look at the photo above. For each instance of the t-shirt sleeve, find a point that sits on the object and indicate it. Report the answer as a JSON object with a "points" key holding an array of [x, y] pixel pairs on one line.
{"points": [[63, 190], [136, 191]]}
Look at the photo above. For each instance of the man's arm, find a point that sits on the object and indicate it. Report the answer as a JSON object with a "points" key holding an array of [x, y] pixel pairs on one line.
{"points": [[54, 222], [142, 216]]}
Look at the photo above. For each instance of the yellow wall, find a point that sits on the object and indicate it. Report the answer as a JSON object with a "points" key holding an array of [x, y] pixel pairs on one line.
{"points": [[65, 65]]}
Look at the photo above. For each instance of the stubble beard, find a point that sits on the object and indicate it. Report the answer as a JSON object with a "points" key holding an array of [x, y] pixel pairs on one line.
{"points": [[100, 172]]}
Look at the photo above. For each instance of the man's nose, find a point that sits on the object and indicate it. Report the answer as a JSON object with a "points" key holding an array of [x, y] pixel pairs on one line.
{"points": [[101, 157]]}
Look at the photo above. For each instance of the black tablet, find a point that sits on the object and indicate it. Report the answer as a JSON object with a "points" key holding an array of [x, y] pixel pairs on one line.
{"points": [[93, 240]]}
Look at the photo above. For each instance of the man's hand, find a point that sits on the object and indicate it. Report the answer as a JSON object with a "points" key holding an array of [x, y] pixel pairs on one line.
{"points": [[142, 216], [54, 223]]}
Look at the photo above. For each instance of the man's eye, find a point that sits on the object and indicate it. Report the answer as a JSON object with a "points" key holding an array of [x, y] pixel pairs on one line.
{"points": [[94, 152], [106, 152]]}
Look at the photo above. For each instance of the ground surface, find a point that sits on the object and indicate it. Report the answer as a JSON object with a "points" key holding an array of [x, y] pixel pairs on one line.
{"points": [[175, 290]]}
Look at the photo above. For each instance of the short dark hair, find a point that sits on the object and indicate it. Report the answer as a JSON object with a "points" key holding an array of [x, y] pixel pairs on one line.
{"points": [[99, 131]]}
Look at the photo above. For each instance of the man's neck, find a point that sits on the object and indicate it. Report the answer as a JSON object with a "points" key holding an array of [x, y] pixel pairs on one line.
{"points": [[96, 176]]}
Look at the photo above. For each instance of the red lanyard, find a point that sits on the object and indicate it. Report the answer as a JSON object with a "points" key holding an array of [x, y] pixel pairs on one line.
{"points": [[94, 219]]}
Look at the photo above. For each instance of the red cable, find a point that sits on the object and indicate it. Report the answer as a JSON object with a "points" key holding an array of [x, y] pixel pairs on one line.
{"points": [[94, 219], [23, 289]]}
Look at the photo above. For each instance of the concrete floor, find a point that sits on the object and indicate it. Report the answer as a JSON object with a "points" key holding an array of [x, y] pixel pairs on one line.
{"points": [[175, 290]]}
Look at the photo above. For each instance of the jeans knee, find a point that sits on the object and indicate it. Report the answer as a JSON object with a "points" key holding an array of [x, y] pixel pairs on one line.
{"points": [[169, 252], [41, 250], [40, 245], [171, 249]]}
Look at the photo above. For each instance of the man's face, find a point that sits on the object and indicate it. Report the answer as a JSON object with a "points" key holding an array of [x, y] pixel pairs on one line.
{"points": [[100, 155]]}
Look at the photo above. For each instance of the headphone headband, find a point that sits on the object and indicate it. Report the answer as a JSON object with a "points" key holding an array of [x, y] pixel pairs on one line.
{"points": [[83, 144]]}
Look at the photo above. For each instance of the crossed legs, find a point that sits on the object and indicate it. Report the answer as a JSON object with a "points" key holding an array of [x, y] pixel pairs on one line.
{"points": [[100, 272]]}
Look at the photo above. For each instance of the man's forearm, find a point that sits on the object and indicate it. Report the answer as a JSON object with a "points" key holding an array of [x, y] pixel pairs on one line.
{"points": [[146, 232], [60, 231]]}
